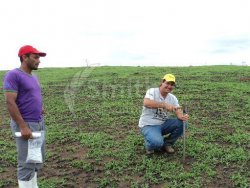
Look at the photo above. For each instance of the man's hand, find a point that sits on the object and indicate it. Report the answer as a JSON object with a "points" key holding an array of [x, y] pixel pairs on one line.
{"points": [[180, 115], [155, 104], [169, 107], [183, 117], [26, 132]]}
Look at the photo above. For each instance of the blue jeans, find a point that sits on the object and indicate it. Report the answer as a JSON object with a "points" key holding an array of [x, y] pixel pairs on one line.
{"points": [[154, 134]]}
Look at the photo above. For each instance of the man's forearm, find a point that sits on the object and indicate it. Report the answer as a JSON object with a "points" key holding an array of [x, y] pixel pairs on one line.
{"points": [[181, 116], [155, 104]]}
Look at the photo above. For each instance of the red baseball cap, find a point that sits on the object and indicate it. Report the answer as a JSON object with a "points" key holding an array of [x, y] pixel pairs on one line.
{"points": [[27, 49]]}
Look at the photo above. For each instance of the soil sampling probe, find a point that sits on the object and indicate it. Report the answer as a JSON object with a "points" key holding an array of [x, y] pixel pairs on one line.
{"points": [[184, 132]]}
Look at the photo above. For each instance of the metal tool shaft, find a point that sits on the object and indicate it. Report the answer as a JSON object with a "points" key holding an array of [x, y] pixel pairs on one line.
{"points": [[184, 133]]}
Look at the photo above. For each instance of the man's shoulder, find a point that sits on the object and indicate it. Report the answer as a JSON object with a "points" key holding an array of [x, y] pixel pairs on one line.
{"points": [[152, 93], [12, 72], [10, 81], [153, 89], [172, 95], [16, 70]]}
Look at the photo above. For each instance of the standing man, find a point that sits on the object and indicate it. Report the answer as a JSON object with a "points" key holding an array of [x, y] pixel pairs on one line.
{"points": [[155, 122], [24, 103]]}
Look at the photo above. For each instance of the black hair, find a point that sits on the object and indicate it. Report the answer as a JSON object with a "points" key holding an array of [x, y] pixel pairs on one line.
{"points": [[21, 58], [162, 82]]}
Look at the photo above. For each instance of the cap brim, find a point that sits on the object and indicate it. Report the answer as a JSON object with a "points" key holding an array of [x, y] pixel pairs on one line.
{"points": [[41, 54]]}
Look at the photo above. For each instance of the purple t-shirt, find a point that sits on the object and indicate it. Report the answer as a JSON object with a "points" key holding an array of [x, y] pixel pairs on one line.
{"points": [[29, 98]]}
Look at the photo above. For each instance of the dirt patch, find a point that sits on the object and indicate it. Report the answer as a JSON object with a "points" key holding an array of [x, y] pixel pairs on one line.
{"points": [[59, 166], [222, 178], [244, 79], [187, 163]]}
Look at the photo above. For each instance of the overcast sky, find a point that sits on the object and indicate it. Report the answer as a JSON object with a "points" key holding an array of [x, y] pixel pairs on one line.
{"points": [[126, 32]]}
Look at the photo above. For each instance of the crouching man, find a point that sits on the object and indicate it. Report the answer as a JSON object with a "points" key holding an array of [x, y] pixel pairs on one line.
{"points": [[155, 122]]}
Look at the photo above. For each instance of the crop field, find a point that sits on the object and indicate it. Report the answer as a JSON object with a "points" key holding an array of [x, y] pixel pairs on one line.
{"points": [[93, 139]]}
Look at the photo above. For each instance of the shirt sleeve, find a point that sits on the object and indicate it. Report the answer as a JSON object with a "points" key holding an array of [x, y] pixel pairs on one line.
{"points": [[10, 82], [175, 101], [150, 94]]}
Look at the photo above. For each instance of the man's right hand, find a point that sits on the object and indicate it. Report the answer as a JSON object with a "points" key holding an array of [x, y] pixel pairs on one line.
{"points": [[26, 133], [170, 107]]}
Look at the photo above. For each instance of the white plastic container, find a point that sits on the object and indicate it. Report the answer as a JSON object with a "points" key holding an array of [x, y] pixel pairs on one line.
{"points": [[34, 134]]}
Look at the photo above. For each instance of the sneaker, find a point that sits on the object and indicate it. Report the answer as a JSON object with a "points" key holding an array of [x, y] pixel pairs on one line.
{"points": [[169, 149], [149, 152]]}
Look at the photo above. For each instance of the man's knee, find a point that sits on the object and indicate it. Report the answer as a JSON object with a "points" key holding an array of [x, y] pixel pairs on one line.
{"points": [[25, 174], [156, 143], [179, 122]]}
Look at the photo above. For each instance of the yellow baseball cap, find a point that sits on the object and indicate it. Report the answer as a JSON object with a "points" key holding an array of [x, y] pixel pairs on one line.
{"points": [[169, 78]]}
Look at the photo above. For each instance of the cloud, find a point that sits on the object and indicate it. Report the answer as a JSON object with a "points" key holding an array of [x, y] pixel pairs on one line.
{"points": [[126, 56], [133, 32], [231, 44]]}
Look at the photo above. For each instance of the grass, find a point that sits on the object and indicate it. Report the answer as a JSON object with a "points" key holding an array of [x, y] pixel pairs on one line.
{"points": [[93, 139]]}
